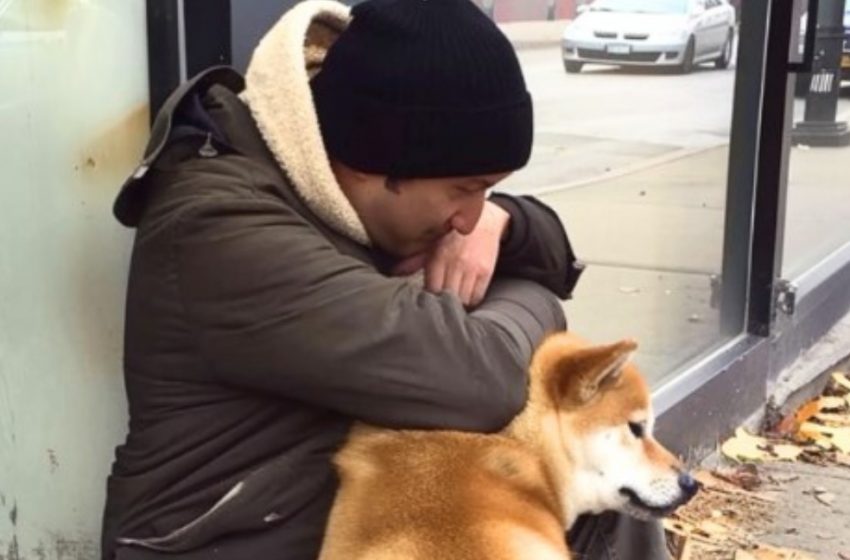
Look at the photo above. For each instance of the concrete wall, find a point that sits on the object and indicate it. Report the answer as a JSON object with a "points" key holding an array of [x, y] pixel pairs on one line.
{"points": [[73, 117]]}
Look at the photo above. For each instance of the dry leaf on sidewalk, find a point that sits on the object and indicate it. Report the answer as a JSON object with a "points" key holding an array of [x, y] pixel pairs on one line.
{"points": [[838, 437], [744, 476], [830, 419], [841, 382], [764, 552], [745, 447], [790, 425], [829, 403]]}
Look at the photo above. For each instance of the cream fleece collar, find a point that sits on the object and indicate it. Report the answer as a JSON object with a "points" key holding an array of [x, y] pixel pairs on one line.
{"points": [[277, 91]]}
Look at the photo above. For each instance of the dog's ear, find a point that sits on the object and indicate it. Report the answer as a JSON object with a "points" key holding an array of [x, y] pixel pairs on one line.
{"points": [[581, 374]]}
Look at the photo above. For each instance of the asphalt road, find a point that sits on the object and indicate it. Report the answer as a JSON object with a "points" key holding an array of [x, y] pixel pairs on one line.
{"points": [[608, 120]]}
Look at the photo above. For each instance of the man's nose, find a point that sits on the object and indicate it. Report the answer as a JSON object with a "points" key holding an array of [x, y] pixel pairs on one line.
{"points": [[467, 216]]}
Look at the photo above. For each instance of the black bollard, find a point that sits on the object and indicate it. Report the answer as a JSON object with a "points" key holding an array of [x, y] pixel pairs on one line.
{"points": [[819, 127]]}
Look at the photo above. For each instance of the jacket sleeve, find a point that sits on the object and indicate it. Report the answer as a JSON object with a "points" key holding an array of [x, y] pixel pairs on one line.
{"points": [[537, 247], [278, 308]]}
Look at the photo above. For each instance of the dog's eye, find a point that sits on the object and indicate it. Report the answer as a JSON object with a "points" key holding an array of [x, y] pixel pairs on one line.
{"points": [[637, 429]]}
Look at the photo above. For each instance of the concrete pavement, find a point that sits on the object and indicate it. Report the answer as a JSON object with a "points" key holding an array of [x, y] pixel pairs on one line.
{"points": [[534, 34], [653, 240]]}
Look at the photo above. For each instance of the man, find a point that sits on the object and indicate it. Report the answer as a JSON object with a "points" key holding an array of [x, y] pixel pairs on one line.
{"points": [[272, 298]]}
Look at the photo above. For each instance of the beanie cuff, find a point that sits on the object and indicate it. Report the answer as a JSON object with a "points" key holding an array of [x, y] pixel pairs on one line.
{"points": [[381, 138]]}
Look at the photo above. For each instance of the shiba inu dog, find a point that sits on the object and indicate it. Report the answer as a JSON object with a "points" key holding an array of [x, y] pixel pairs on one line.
{"points": [[583, 444]]}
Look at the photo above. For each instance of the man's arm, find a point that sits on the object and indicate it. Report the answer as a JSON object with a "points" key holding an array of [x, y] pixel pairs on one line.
{"points": [[537, 247], [277, 308]]}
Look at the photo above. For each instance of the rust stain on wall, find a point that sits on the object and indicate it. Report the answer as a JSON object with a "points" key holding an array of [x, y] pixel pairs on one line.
{"points": [[114, 151], [35, 15]]}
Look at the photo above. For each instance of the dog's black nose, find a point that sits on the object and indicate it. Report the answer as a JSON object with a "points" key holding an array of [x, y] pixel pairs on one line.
{"points": [[688, 485]]}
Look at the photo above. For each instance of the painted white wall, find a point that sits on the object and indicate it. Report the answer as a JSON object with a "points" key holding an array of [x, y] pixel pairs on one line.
{"points": [[73, 122]]}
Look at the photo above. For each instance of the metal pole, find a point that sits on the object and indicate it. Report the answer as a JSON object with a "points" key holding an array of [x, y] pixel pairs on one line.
{"points": [[819, 127]]}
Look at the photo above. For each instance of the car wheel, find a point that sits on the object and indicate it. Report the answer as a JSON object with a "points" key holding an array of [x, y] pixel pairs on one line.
{"points": [[573, 67], [687, 65], [726, 57]]}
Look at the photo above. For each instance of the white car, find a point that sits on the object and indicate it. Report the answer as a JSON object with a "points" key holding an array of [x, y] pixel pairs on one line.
{"points": [[676, 33]]}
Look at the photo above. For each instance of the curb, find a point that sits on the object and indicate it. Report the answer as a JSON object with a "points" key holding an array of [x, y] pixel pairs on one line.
{"points": [[532, 44], [534, 34]]}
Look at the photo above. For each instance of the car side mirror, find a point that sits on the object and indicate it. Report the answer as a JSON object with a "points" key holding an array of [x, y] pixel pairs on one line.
{"points": [[582, 9]]}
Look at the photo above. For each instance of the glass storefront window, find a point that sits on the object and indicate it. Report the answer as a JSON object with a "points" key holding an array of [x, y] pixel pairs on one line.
{"points": [[818, 197]]}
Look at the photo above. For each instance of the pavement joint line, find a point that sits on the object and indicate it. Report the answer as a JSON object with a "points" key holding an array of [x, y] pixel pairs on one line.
{"points": [[626, 170]]}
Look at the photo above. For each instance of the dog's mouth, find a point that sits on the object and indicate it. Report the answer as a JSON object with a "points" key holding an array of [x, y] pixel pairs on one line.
{"points": [[640, 508]]}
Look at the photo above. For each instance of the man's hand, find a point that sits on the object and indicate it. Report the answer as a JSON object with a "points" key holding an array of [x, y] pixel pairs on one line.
{"points": [[463, 264]]}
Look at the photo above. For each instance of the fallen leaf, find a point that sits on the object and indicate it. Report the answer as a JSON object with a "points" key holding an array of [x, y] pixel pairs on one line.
{"points": [[745, 447], [827, 403], [830, 419], [765, 552], [805, 412], [786, 452], [713, 530], [839, 437], [789, 425], [842, 381], [744, 476]]}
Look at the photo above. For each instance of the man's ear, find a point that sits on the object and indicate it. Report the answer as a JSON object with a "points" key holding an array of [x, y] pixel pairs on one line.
{"points": [[580, 374]]}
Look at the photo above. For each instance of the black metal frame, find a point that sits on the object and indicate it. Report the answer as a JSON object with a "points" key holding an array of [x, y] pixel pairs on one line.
{"points": [[772, 170], [184, 38]]}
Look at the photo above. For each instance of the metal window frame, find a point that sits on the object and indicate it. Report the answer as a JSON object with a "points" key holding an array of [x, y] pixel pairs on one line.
{"points": [[721, 390], [184, 37]]}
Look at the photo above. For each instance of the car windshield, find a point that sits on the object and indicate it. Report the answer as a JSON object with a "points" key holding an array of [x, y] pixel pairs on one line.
{"points": [[641, 6]]}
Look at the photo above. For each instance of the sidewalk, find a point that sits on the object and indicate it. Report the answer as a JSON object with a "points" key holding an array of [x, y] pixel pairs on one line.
{"points": [[534, 34], [776, 499], [653, 238]]}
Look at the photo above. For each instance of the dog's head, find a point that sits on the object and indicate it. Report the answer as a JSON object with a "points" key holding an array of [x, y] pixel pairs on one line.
{"points": [[604, 429]]}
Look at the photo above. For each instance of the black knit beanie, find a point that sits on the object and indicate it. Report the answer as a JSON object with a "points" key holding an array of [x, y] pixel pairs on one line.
{"points": [[423, 89]]}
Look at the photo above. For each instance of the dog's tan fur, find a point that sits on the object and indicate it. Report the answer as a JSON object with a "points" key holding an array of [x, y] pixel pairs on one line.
{"points": [[420, 495]]}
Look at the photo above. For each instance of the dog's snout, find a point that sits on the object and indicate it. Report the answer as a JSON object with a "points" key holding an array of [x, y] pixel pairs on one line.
{"points": [[688, 484]]}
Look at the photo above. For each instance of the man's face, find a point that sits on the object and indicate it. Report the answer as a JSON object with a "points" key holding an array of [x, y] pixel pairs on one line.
{"points": [[407, 217]]}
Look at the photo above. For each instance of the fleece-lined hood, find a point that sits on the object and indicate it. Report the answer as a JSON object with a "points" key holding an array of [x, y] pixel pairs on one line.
{"points": [[278, 94]]}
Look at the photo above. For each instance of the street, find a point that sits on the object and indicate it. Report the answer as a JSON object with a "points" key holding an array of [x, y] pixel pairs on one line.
{"points": [[608, 120]]}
